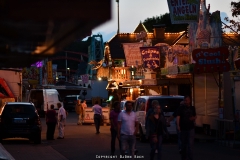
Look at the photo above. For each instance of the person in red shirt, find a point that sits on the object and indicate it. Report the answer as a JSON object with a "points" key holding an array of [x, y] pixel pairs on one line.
{"points": [[51, 121]]}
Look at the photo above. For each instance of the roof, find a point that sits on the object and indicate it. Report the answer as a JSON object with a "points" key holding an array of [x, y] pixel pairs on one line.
{"points": [[116, 48], [140, 28], [231, 39]]}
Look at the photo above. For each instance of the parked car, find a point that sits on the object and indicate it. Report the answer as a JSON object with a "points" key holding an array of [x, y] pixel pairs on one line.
{"points": [[70, 102], [20, 119], [169, 104]]}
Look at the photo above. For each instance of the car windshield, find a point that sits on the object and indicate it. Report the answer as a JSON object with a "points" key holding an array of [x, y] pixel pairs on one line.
{"points": [[18, 109], [168, 104]]}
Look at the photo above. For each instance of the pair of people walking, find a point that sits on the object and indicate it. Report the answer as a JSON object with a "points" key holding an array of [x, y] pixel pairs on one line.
{"points": [[53, 119]]}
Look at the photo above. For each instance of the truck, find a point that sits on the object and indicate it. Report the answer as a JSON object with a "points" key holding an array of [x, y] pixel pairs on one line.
{"points": [[44, 98]]}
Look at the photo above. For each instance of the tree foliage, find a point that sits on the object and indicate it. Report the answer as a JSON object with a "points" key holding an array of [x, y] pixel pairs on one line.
{"points": [[234, 24], [164, 19]]}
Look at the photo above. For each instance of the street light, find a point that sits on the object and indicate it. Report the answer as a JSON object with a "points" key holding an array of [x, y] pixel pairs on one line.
{"points": [[68, 73]]}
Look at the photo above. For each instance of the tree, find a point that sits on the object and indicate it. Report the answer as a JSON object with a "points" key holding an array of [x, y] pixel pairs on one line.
{"points": [[234, 25], [164, 19]]}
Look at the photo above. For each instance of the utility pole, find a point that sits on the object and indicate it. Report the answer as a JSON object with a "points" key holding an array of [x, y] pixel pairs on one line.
{"points": [[66, 67], [118, 31]]}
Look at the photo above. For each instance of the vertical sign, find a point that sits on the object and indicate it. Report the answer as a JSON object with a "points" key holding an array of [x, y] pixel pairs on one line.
{"points": [[184, 11], [49, 72], [150, 57], [132, 54]]}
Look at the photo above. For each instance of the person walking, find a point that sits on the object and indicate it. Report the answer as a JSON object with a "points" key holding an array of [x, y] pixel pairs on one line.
{"points": [[171, 118], [157, 126], [150, 111], [61, 121], [127, 130], [114, 126], [186, 117], [97, 109], [84, 104], [51, 121], [78, 109]]}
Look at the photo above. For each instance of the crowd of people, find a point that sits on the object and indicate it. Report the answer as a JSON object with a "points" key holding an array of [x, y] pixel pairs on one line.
{"points": [[124, 126]]}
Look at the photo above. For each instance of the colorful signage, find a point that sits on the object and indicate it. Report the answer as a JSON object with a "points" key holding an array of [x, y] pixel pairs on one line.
{"points": [[132, 54], [150, 57], [211, 60], [85, 78], [184, 11], [49, 71]]}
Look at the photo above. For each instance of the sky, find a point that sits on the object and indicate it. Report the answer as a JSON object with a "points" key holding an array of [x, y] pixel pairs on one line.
{"points": [[131, 12]]}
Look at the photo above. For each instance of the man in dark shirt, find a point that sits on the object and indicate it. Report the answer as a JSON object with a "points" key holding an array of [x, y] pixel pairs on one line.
{"points": [[186, 116]]}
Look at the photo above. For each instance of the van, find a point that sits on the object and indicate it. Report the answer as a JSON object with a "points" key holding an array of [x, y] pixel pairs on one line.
{"points": [[44, 98], [169, 105], [122, 104]]}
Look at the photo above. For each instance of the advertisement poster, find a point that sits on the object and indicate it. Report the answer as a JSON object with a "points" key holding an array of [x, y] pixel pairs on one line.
{"points": [[184, 11], [150, 57], [132, 54]]}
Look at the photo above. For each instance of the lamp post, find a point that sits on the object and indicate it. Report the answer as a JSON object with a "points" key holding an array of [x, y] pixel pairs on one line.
{"points": [[68, 73], [118, 16]]}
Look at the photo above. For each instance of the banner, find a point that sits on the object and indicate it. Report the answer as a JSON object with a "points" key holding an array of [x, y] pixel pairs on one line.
{"points": [[211, 60], [150, 57], [184, 11], [132, 54], [49, 71]]}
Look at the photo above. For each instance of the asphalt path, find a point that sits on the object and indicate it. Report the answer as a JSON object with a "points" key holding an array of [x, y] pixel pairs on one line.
{"points": [[81, 142]]}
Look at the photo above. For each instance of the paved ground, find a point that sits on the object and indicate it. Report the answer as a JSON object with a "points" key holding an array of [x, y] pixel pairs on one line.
{"points": [[81, 142]]}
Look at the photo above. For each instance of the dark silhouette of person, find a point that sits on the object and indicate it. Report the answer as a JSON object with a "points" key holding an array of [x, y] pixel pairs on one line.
{"points": [[51, 121]]}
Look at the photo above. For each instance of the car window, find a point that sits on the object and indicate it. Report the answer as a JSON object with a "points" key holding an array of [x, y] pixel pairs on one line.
{"points": [[18, 109], [167, 104], [140, 104], [59, 98], [122, 105]]}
